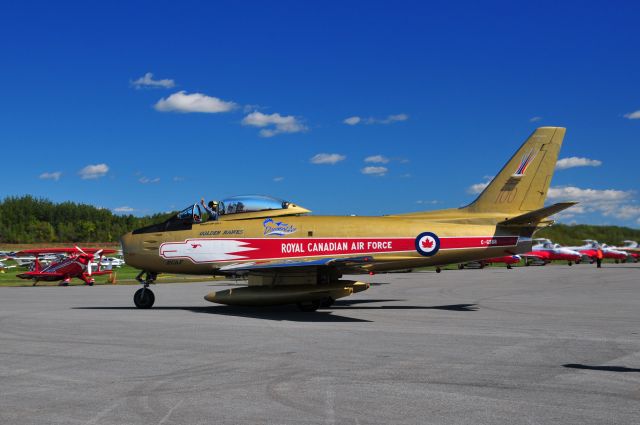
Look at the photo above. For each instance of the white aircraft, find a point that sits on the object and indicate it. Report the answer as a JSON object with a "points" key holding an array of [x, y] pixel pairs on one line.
{"points": [[108, 263]]}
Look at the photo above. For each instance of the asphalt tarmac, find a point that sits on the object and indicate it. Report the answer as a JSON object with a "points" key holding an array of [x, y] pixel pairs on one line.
{"points": [[531, 345]]}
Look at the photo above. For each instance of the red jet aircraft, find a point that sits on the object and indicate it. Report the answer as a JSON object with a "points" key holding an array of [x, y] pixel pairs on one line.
{"points": [[76, 263]]}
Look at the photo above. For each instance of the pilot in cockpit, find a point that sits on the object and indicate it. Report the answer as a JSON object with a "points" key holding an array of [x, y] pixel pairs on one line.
{"points": [[212, 209]]}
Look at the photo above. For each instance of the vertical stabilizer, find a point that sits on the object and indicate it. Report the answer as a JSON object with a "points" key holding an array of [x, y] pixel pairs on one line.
{"points": [[522, 184]]}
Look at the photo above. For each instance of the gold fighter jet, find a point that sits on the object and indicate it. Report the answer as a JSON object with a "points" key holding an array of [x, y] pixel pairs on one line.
{"points": [[291, 257]]}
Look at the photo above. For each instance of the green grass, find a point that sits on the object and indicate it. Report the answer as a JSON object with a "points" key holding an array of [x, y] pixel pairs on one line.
{"points": [[124, 276]]}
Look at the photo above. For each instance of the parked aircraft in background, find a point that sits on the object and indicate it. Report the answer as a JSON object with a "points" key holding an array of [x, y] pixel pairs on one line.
{"points": [[545, 251], [108, 263], [592, 250], [5, 266], [291, 257], [632, 249], [28, 260], [75, 264], [613, 253]]}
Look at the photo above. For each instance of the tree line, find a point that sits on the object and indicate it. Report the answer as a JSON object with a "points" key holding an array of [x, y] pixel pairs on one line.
{"points": [[27, 219]]}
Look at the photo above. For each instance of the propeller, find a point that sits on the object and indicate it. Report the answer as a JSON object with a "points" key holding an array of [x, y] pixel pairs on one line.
{"points": [[89, 256], [99, 255]]}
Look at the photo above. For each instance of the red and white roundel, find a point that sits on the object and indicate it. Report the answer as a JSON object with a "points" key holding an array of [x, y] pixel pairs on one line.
{"points": [[427, 244]]}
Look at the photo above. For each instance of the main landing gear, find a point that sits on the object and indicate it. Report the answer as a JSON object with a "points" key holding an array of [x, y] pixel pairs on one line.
{"points": [[144, 298], [309, 306]]}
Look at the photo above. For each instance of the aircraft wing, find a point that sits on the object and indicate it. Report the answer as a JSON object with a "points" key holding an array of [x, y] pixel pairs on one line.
{"points": [[40, 251], [342, 263], [30, 275], [535, 217]]}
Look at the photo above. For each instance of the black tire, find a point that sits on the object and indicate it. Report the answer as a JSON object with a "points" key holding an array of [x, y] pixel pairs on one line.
{"points": [[327, 302], [509, 266], [438, 269], [460, 266], [144, 298], [309, 306], [570, 263]]}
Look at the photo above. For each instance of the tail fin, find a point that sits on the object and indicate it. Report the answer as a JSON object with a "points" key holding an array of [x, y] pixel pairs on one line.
{"points": [[522, 184]]}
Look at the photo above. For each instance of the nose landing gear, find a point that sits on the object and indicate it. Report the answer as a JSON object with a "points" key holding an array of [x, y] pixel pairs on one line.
{"points": [[144, 297]]}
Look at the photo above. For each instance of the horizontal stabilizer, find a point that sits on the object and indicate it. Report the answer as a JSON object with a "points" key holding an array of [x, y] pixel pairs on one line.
{"points": [[534, 217]]}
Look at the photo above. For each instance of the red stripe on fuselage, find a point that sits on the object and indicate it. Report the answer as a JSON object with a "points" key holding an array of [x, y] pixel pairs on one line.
{"points": [[265, 249]]}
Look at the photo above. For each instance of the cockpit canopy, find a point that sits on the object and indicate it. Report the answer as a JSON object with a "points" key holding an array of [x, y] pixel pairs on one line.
{"points": [[250, 203], [255, 206], [233, 208]]}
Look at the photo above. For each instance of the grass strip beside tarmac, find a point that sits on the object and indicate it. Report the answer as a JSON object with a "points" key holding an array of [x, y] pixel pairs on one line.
{"points": [[124, 276]]}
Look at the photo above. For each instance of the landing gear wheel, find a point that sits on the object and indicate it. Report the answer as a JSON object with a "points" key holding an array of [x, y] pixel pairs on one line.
{"points": [[460, 266], [327, 302], [509, 266], [91, 282], [438, 269], [144, 298], [309, 306], [570, 263]]}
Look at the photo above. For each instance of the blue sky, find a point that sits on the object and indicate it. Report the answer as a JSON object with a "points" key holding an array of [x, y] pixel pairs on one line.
{"points": [[252, 97]]}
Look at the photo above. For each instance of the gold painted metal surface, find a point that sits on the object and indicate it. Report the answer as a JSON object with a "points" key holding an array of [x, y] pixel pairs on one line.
{"points": [[509, 210]]}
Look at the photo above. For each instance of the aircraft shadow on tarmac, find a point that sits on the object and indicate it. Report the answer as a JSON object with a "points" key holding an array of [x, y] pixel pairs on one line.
{"points": [[349, 305], [291, 313], [601, 368]]}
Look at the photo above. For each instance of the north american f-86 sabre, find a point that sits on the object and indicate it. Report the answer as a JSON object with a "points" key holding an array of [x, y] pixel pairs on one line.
{"points": [[292, 257]]}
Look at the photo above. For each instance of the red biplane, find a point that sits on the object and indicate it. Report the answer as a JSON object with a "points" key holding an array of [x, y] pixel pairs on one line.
{"points": [[75, 262]]}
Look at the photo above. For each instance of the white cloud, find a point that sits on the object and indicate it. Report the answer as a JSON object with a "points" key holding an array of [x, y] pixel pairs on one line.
{"points": [[608, 202], [327, 158], [123, 209], [633, 115], [625, 212], [477, 188], [147, 81], [572, 193], [145, 180], [94, 171], [394, 118], [277, 123], [575, 161], [178, 179], [535, 119], [374, 171], [278, 179], [377, 159], [431, 202], [55, 176], [194, 102], [388, 120]]}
